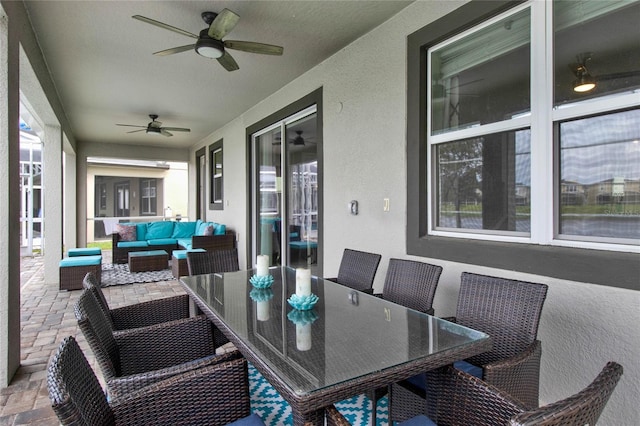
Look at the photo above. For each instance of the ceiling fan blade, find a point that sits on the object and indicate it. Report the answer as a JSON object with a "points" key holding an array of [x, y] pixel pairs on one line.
{"points": [[136, 131], [228, 62], [223, 24], [175, 50], [176, 129], [615, 76], [253, 47], [163, 25], [165, 133], [131, 125]]}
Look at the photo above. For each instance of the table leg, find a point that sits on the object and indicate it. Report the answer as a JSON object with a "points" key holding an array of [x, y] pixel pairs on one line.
{"points": [[313, 418]]}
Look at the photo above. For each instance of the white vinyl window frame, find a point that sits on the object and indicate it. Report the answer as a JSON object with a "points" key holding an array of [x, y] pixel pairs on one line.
{"points": [[540, 121]]}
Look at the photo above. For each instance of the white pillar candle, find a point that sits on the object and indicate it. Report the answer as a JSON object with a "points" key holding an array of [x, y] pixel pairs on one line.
{"points": [[303, 337], [262, 265], [262, 310], [303, 282]]}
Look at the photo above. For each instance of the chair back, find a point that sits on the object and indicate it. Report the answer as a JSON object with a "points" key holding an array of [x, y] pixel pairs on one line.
{"points": [[91, 283], [411, 284], [75, 392], [583, 408], [210, 262], [358, 269], [507, 310], [98, 331]]}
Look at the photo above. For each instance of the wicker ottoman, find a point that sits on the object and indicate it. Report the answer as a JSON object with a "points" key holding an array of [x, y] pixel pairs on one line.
{"points": [[74, 269], [179, 265]]}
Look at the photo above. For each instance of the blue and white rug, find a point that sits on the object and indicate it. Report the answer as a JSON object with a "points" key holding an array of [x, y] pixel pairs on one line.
{"points": [[275, 411]]}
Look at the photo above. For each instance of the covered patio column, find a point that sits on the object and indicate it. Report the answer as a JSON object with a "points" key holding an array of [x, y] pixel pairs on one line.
{"points": [[9, 200]]}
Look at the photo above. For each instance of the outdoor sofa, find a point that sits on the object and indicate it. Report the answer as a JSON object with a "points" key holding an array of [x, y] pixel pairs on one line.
{"points": [[169, 236]]}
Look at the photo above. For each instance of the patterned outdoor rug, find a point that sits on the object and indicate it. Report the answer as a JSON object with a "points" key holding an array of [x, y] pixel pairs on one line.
{"points": [[118, 274], [275, 411]]}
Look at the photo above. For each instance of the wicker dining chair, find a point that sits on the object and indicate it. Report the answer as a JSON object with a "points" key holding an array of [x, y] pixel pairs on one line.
{"points": [[138, 357], [507, 310], [140, 314], [213, 395], [210, 262], [358, 270], [458, 398], [411, 284]]}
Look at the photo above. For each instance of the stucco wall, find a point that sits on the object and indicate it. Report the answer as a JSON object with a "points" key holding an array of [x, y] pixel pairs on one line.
{"points": [[364, 93]]}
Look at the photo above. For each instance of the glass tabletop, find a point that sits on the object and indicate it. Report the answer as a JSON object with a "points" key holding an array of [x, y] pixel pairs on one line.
{"points": [[347, 334]]}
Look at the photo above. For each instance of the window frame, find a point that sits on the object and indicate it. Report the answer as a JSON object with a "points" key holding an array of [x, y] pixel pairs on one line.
{"points": [[147, 199], [611, 268], [216, 201]]}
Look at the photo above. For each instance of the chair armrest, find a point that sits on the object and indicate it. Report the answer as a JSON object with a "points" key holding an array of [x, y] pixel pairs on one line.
{"points": [[518, 375], [214, 242], [164, 345], [456, 397], [119, 387], [151, 312], [217, 393]]}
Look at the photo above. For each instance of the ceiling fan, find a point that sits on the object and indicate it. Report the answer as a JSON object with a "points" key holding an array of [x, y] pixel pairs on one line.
{"points": [[298, 140], [209, 42], [155, 127], [586, 82]]}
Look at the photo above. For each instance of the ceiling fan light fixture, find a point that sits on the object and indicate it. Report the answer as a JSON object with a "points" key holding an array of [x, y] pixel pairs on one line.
{"points": [[209, 48], [154, 130], [584, 83]]}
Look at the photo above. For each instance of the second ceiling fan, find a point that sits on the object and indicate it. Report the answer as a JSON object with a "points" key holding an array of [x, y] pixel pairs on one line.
{"points": [[209, 42]]}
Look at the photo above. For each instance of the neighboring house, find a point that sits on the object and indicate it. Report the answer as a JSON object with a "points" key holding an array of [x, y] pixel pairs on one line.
{"points": [[135, 191]]}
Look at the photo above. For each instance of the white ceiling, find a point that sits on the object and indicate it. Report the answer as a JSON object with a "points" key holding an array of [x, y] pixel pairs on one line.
{"points": [[102, 65]]}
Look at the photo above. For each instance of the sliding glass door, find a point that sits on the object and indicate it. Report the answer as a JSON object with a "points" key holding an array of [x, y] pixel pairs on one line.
{"points": [[285, 176]]}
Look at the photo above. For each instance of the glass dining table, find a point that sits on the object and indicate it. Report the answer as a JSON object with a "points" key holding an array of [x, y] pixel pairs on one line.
{"points": [[347, 344]]}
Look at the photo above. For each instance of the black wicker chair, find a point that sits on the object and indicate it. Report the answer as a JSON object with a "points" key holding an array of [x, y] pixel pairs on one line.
{"points": [[509, 311], [212, 261], [213, 395], [357, 270], [411, 284], [462, 399], [135, 358], [139, 314]]}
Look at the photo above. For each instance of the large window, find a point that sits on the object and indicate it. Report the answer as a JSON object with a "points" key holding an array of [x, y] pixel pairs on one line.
{"points": [[217, 178], [524, 137], [148, 197]]}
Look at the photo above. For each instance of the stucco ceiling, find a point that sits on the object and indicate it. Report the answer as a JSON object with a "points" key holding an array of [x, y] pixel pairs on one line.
{"points": [[101, 61]]}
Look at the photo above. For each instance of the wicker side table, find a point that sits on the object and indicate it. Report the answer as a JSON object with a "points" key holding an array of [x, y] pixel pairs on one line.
{"points": [[154, 260]]}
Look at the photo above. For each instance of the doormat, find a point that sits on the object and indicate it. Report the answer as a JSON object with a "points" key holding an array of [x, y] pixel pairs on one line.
{"points": [[267, 403], [118, 274]]}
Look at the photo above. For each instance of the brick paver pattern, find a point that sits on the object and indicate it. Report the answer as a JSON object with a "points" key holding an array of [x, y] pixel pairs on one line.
{"points": [[46, 317]]}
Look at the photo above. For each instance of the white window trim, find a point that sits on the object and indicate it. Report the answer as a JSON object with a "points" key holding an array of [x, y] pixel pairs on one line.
{"points": [[543, 222]]}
